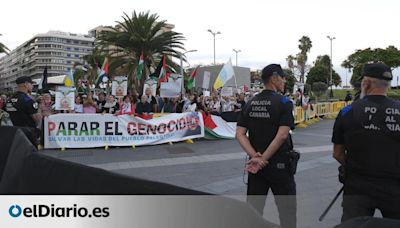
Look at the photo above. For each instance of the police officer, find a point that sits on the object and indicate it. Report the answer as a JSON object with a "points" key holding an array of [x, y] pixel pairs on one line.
{"points": [[267, 118], [22, 108], [366, 139]]}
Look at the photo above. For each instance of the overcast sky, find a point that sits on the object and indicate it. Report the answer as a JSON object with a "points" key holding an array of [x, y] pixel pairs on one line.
{"points": [[265, 31]]}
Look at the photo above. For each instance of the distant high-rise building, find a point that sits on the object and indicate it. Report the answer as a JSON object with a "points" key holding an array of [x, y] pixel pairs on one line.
{"points": [[56, 50]]}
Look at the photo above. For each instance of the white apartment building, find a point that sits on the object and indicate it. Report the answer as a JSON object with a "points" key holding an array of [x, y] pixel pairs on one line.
{"points": [[56, 50]]}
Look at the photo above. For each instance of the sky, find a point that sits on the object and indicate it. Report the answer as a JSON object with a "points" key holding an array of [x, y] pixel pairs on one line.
{"points": [[265, 31]]}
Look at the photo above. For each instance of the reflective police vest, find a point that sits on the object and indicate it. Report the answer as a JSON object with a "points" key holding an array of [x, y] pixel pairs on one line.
{"points": [[372, 140]]}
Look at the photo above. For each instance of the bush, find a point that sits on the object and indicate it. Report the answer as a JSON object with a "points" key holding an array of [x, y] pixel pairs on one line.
{"points": [[319, 88]]}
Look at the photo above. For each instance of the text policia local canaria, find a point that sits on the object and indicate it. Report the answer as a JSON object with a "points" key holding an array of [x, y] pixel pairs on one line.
{"points": [[93, 128]]}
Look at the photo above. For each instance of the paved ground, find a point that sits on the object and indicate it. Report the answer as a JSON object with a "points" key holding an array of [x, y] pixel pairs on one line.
{"points": [[217, 167]]}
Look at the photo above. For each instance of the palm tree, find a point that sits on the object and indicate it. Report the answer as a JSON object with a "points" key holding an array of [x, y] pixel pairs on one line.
{"points": [[3, 48], [291, 62], [304, 46], [136, 34]]}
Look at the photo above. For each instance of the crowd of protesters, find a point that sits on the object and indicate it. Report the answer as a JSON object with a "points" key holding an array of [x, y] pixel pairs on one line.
{"points": [[145, 104]]}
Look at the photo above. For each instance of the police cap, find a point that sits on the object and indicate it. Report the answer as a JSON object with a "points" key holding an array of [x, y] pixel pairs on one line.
{"points": [[270, 70], [23, 79], [377, 70]]}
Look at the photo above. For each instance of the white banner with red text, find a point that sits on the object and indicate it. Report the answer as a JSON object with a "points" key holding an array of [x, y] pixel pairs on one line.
{"points": [[98, 130]]}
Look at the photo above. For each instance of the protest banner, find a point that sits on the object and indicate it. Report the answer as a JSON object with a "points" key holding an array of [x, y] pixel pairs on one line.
{"points": [[96, 130]]}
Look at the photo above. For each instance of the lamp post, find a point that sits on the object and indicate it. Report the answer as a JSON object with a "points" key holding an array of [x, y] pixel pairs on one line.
{"points": [[236, 51], [181, 57], [214, 34], [331, 82]]}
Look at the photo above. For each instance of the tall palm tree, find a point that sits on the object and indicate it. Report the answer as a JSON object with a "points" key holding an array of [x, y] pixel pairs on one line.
{"points": [[304, 46], [3, 48], [136, 34]]}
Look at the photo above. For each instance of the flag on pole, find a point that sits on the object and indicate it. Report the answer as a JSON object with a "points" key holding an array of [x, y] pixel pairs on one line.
{"points": [[102, 73], [43, 82], [224, 75], [191, 79], [157, 72], [69, 80], [140, 67], [163, 76]]}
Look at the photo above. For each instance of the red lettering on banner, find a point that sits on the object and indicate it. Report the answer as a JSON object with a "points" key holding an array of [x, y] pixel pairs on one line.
{"points": [[181, 122], [171, 124], [51, 126], [152, 128], [131, 128], [141, 128], [162, 128]]}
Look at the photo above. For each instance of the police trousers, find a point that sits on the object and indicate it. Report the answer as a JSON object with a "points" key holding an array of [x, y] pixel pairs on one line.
{"points": [[283, 187], [356, 203]]}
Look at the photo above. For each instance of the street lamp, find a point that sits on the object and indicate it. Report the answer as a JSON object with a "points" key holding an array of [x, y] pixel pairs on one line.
{"points": [[181, 57], [331, 82], [214, 34], [236, 51]]}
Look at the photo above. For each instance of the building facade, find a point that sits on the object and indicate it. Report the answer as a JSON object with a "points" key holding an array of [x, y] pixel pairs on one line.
{"points": [[57, 50]]}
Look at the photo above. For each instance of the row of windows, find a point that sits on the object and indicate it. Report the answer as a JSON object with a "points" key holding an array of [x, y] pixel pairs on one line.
{"points": [[50, 53], [59, 54], [60, 68], [77, 49], [50, 46], [62, 40], [52, 61]]}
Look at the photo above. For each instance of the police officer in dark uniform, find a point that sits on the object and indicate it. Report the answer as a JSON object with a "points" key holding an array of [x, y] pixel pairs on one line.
{"points": [[268, 118], [22, 108], [366, 139]]}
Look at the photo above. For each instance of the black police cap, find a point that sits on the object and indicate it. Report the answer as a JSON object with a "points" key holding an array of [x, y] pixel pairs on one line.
{"points": [[377, 70], [23, 79], [270, 70]]}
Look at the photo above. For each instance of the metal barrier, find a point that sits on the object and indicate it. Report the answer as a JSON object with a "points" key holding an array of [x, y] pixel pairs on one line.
{"points": [[319, 109]]}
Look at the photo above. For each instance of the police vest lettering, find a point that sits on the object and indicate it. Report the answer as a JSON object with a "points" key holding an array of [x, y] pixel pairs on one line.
{"points": [[259, 109], [259, 114], [262, 102], [393, 127], [392, 111]]}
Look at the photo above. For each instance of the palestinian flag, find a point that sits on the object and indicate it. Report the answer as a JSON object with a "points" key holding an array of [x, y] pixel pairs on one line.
{"points": [[191, 79], [140, 67], [217, 128], [102, 73], [163, 76]]}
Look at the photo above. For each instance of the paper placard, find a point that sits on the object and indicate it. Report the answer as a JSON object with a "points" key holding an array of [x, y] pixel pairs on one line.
{"points": [[152, 84], [206, 80], [119, 86], [65, 98], [227, 91]]}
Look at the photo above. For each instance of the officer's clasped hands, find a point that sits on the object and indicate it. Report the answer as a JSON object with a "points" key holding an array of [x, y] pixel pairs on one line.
{"points": [[256, 163]]}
